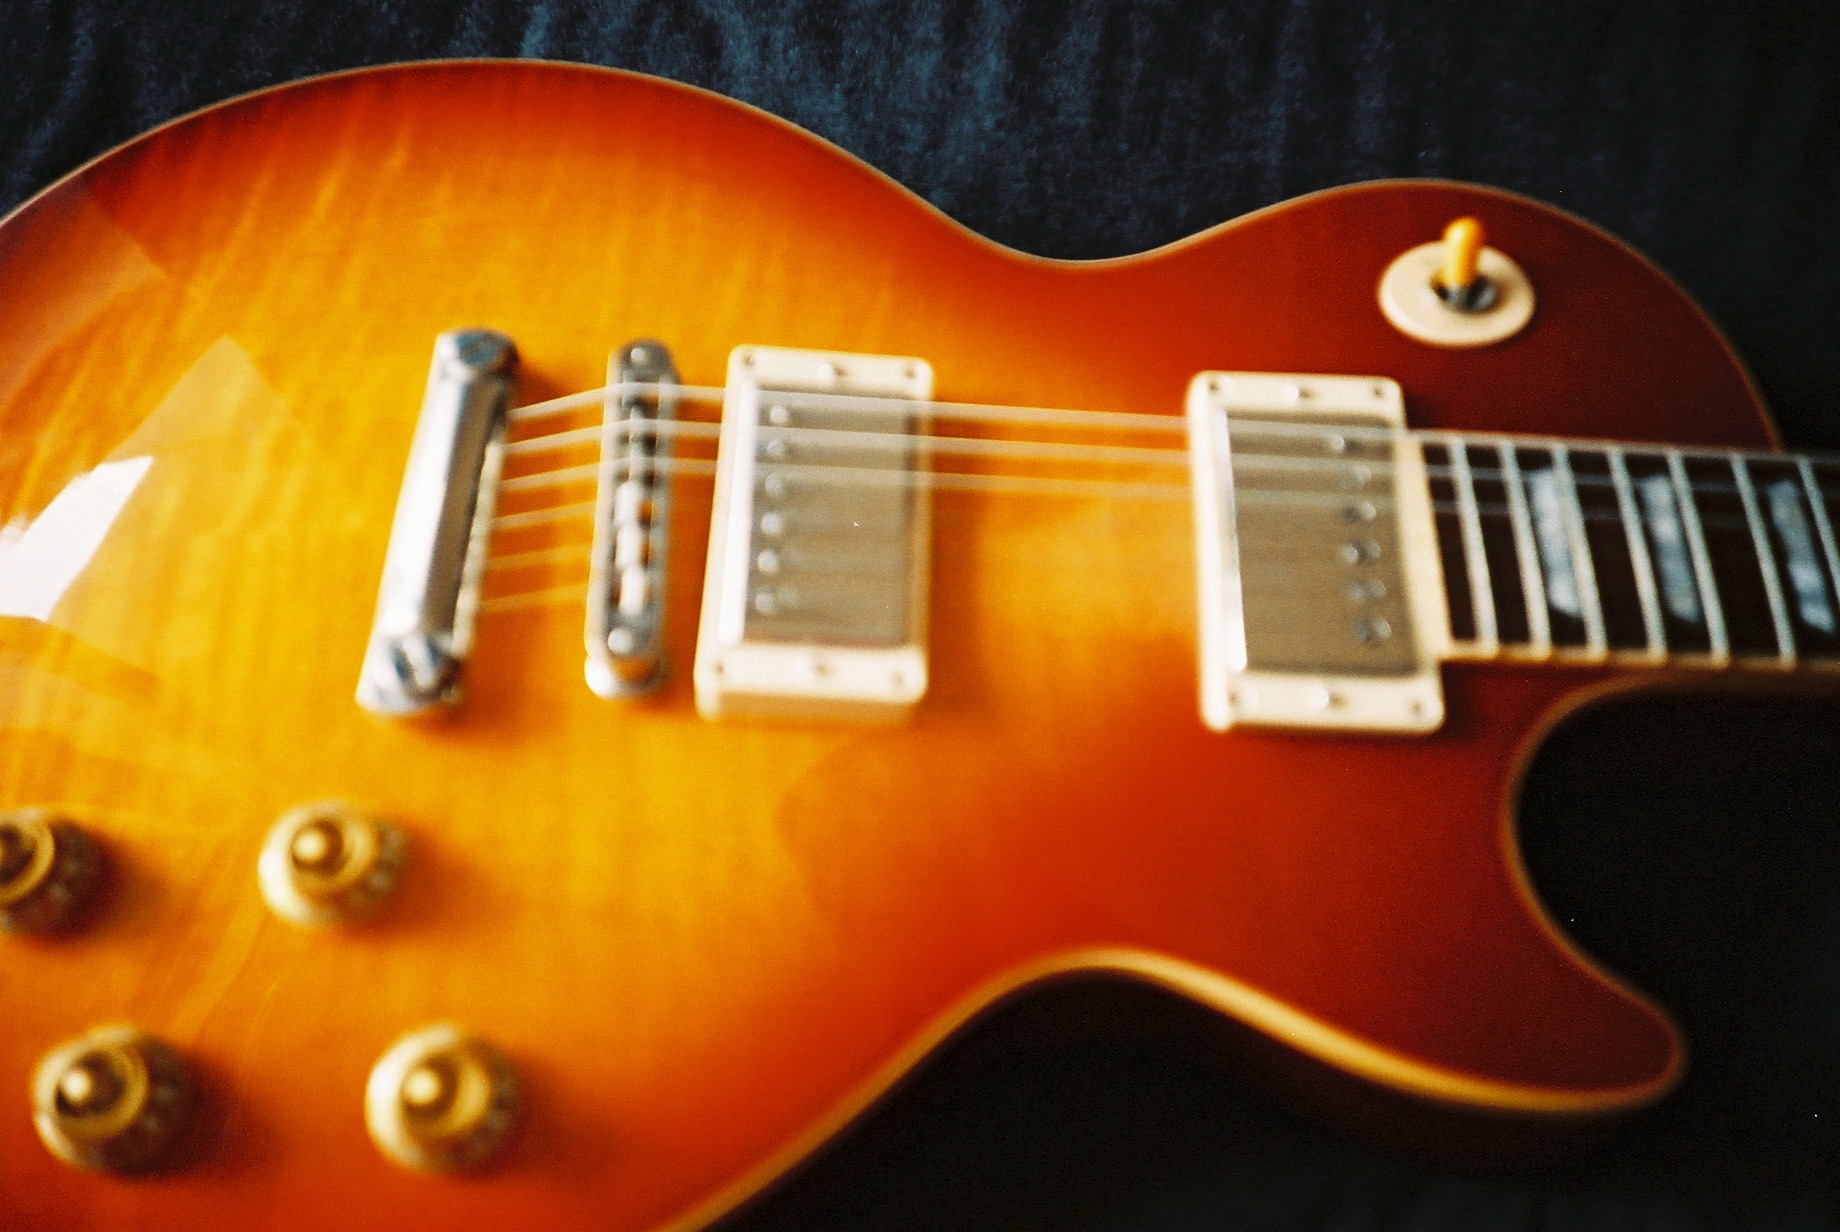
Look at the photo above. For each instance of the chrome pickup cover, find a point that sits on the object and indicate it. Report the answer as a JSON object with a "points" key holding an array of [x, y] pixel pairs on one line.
{"points": [[814, 604], [1321, 591], [423, 628]]}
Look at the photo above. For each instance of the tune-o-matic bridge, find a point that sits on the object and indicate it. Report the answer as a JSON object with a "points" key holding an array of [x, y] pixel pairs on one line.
{"points": [[632, 517], [814, 604], [1321, 599], [425, 605]]}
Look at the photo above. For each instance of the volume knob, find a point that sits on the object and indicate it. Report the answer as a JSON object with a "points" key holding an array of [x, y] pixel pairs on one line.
{"points": [[328, 863], [114, 1099], [441, 1100], [49, 871]]}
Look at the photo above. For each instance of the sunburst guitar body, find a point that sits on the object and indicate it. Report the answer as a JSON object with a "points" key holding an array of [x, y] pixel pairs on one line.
{"points": [[686, 925]]}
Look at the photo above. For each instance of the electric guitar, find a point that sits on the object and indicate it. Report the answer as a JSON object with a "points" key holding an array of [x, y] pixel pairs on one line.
{"points": [[556, 628]]}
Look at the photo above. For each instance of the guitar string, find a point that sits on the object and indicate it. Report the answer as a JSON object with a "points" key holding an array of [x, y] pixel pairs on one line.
{"points": [[952, 481], [871, 442], [833, 473], [1121, 455], [825, 471], [574, 557], [933, 443], [1347, 437], [582, 510], [576, 552], [1255, 424]]}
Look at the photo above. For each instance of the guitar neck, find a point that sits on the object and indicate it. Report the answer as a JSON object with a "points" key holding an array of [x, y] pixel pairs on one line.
{"points": [[1591, 551]]}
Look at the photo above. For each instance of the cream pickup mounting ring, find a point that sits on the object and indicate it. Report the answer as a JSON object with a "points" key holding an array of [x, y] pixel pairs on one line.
{"points": [[815, 600], [1319, 579]]}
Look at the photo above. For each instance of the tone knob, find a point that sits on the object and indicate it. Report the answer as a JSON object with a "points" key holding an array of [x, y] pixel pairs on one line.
{"points": [[114, 1099], [441, 1100], [328, 863], [49, 871]]}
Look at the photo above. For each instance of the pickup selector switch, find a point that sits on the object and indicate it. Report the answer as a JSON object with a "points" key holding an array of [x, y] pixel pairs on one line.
{"points": [[49, 871], [113, 1100], [1457, 292], [328, 863], [441, 1100]]}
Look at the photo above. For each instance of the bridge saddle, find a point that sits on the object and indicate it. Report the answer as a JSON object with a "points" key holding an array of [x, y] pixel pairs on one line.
{"points": [[632, 520]]}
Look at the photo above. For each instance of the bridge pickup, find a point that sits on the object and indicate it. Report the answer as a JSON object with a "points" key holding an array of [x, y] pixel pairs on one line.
{"points": [[423, 627], [1321, 591], [815, 599], [632, 520]]}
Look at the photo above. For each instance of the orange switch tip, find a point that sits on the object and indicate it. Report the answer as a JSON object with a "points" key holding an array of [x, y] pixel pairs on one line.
{"points": [[1462, 251]]}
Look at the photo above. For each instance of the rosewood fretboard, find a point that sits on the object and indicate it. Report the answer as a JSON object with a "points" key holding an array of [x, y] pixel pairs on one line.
{"points": [[1589, 550]]}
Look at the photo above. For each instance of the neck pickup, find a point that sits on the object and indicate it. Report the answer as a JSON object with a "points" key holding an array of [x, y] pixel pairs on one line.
{"points": [[1316, 555]]}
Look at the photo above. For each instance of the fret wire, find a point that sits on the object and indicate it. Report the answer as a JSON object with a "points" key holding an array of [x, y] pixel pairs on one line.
{"points": [[1648, 592], [1823, 526], [1482, 596], [1597, 641], [1766, 559], [1713, 610], [1533, 581]]}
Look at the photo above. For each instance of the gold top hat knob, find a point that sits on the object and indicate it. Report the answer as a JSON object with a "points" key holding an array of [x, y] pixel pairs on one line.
{"points": [[327, 863], [441, 1100], [114, 1099], [49, 871]]}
